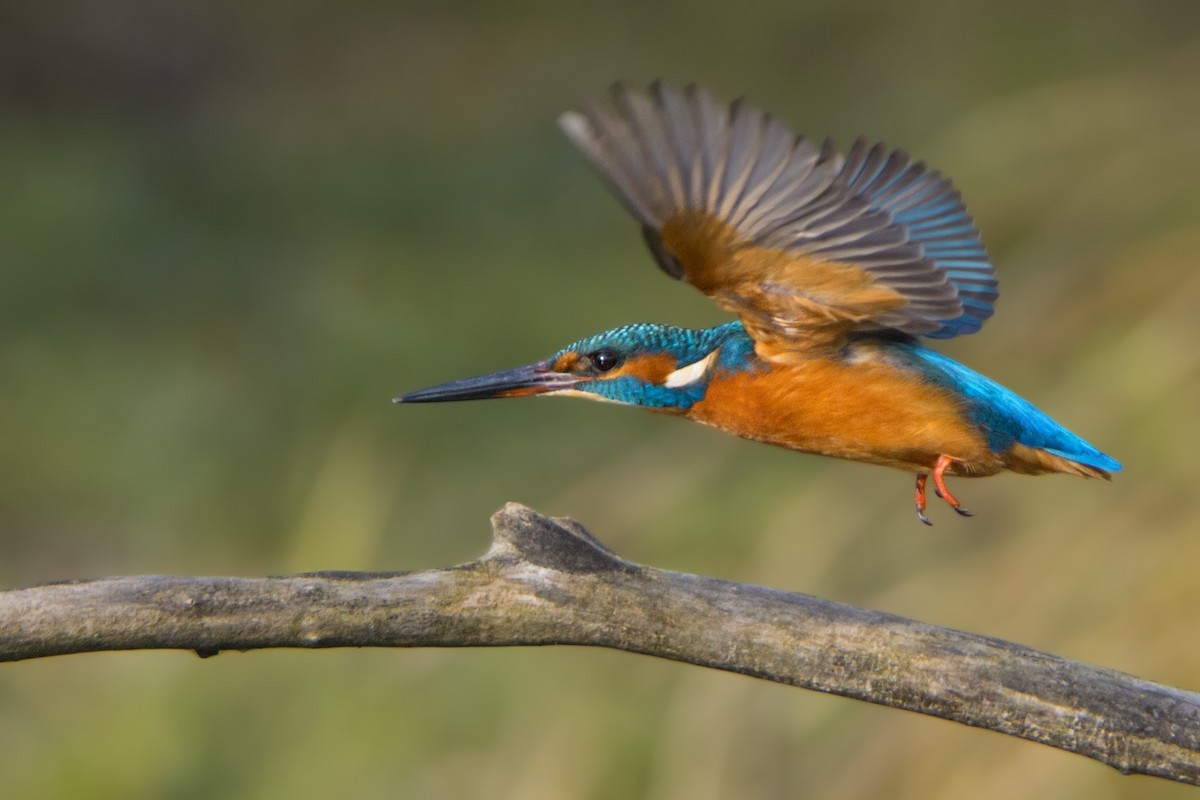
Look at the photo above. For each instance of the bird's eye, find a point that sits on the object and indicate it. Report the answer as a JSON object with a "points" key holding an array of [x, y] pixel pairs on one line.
{"points": [[604, 360]]}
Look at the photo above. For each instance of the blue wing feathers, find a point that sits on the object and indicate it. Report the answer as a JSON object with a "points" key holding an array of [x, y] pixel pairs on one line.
{"points": [[956, 327], [1006, 417], [932, 215]]}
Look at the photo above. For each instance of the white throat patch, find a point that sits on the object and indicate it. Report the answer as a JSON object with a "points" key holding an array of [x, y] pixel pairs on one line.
{"points": [[685, 376], [584, 395]]}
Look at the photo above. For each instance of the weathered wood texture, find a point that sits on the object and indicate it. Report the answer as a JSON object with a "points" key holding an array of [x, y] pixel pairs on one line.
{"points": [[548, 581]]}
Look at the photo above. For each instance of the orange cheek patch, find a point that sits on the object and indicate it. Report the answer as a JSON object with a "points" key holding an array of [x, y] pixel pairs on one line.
{"points": [[652, 368]]}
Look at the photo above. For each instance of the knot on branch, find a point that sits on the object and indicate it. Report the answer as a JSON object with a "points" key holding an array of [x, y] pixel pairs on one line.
{"points": [[557, 543]]}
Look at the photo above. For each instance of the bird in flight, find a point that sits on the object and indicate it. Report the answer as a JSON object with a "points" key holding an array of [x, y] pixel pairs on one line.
{"points": [[835, 266]]}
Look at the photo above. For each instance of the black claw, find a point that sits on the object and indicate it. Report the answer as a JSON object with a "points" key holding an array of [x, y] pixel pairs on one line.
{"points": [[962, 512], [921, 516], [938, 492]]}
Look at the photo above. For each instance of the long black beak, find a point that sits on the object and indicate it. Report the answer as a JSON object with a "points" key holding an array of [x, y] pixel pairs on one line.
{"points": [[534, 379]]}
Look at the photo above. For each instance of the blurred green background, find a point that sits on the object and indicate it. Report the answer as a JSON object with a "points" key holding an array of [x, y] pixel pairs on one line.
{"points": [[231, 232]]}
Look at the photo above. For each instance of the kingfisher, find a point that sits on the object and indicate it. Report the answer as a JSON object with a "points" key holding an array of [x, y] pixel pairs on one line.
{"points": [[835, 266]]}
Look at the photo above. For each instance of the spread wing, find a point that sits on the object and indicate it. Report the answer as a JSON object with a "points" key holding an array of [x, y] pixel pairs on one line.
{"points": [[805, 245]]}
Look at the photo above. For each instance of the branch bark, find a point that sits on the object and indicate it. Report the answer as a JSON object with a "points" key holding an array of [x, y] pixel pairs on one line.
{"points": [[548, 581]]}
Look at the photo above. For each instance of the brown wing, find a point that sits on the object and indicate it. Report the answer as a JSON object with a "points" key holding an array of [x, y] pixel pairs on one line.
{"points": [[803, 244]]}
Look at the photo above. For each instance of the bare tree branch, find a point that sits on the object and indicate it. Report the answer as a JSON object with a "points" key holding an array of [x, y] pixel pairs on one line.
{"points": [[548, 581]]}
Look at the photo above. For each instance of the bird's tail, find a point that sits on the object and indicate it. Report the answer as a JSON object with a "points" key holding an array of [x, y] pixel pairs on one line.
{"points": [[1037, 461]]}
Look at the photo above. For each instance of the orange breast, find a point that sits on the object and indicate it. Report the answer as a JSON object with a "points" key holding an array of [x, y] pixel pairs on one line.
{"points": [[865, 410]]}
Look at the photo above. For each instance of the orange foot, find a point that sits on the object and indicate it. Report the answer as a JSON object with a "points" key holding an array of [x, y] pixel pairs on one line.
{"points": [[939, 482]]}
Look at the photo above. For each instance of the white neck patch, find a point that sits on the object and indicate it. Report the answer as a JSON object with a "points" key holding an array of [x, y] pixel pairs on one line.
{"points": [[685, 376]]}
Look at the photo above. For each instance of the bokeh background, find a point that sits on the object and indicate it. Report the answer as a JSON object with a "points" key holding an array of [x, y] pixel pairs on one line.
{"points": [[231, 232]]}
